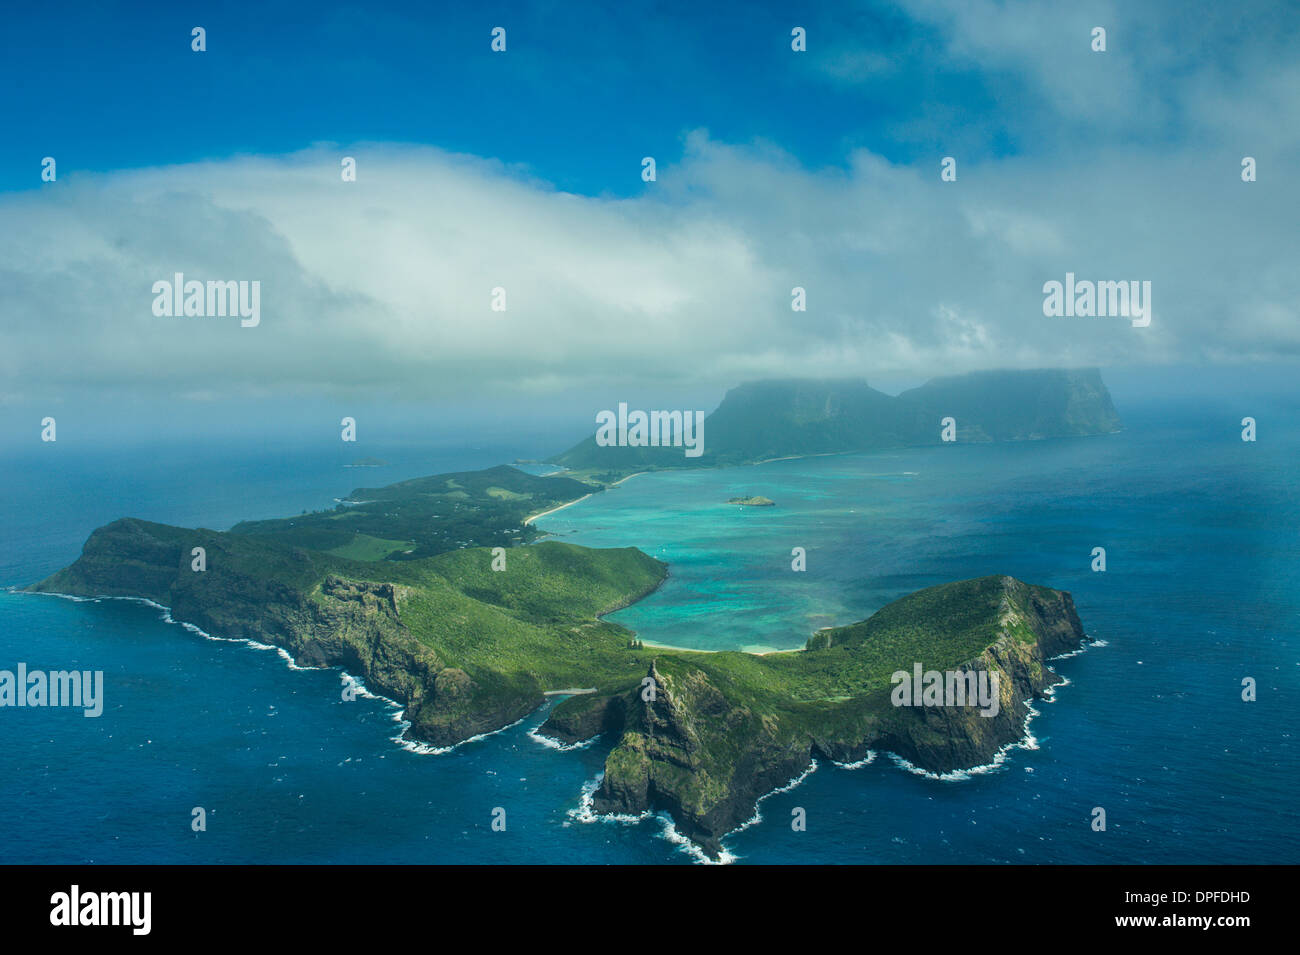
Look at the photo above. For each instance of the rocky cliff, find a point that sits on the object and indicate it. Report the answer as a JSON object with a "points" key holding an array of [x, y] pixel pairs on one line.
{"points": [[760, 420], [467, 650], [700, 746]]}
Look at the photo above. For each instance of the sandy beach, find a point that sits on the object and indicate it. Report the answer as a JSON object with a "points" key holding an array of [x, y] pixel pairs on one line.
{"points": [[538, 517]]}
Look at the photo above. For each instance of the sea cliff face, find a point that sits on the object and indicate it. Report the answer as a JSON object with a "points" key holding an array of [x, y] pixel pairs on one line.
{"points": [[703, 757], [1034, 625], [704, 752], [760, 420], [293, 599], [467, 650]]}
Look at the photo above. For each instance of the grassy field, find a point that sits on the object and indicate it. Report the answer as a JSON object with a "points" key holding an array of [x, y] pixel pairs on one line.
{"points": [[426, 516], [364, 547]]}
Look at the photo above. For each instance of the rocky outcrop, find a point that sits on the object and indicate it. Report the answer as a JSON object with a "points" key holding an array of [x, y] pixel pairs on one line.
{"points": [[586, 716], [353, 624], [701, 736], [705, 755], [678, 753], [759, 420], [943, 739], [1036, 624]]}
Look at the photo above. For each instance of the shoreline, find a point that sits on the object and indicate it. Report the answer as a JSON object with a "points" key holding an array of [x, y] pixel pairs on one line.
{"points": [[398, 711], [538, 517], [651, 644], [1025, 738], [628, 478]]}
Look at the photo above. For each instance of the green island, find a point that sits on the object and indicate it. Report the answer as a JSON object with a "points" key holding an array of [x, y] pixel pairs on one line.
{"points": [[755, 501], [794, 417], [425, 516], [425, 590]]}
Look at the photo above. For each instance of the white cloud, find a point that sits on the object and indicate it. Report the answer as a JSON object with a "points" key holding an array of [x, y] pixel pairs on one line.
{"points": [[382, 286]]}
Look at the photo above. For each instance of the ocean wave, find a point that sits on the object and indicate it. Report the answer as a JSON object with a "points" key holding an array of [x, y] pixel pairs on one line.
{"points": [[359, 688], [1028, 741], [166, 615], [1083, 649], [585, 812], [246, 641], [857, 764], [757, 817], [1049, 694], [669, 833], [551, 743], [428, 749], [46, 593]]}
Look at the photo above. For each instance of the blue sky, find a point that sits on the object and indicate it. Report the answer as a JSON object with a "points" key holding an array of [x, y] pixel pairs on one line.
{"points": [[581, 94], [521, 170], [579, 97]]}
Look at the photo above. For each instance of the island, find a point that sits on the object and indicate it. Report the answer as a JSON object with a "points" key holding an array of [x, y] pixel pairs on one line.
{"points": [[422, 589], [755, 501], [367, 463], [766, 420]]}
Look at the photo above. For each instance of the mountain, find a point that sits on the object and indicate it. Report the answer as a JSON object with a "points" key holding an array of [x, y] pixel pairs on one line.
{"points": [[417, 589], [1010, 406], [722, 729], [470, 641], [760, 420]]}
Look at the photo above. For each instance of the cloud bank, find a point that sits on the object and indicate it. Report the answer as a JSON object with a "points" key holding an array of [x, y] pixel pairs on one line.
{"points": [[383, 287]]}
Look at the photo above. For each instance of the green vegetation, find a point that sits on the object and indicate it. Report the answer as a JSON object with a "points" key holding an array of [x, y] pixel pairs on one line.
{"points": [[365, 547], [755, 501], [728, 727], [406, 589], [761, 420], [427, 516]]}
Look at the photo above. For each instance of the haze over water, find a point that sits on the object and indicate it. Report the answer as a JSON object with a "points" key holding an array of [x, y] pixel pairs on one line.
{"points": [[1202, 589]]}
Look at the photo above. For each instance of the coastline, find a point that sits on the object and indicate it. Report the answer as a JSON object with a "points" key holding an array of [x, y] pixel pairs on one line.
{"points": [[653, 644], [410, 744], [1023, 739], [755, 653], [628, 478], [538, 517]]}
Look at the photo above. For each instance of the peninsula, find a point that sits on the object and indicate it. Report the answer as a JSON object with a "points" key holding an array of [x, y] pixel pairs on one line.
{"points": [[424, 590], [467, 649]]}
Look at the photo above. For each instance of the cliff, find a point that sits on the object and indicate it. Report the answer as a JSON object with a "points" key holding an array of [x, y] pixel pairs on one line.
{"points": [[720, 730], [469, 641], [464, 649], [760, 420]]}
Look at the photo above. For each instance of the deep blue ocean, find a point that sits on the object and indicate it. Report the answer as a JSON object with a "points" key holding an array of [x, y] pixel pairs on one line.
{"points": [[1202, 589]]}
